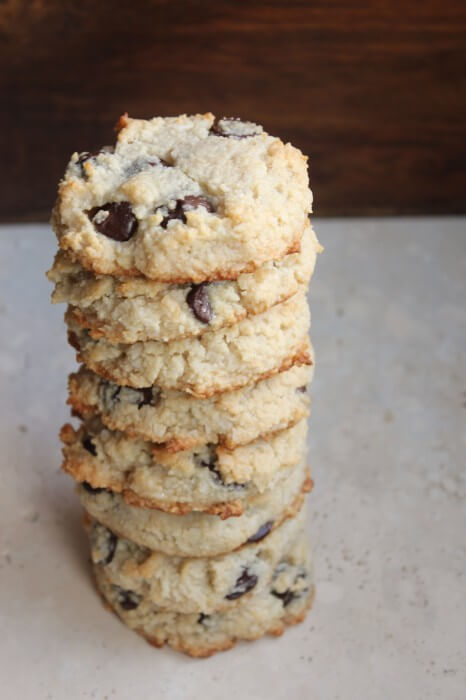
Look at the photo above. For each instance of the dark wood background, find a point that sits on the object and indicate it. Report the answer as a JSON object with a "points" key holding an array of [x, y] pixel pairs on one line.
{"points": [[373, 90]]}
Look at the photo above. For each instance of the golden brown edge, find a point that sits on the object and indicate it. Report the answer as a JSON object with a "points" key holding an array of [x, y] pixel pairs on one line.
{"points": [[202, 652], [81, 409], [300, 357], [289, 512], [217, 275], [81, 471]]}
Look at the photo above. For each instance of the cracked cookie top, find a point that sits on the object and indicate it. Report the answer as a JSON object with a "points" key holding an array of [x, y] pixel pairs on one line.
{"points": [[184, 199]]}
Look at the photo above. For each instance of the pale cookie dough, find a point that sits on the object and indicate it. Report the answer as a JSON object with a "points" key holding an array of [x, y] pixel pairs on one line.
{"points": [[136, 309], [209, 479], [184, 199], [284, 601], [253, 349], [196, 534], [190, 585], [179, 421]]}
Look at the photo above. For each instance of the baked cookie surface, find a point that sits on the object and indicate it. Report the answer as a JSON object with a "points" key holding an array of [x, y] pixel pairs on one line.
{"points": [[179, 421], [190, 585], [183, 199], [136, 309], [253, 349], [284, 601], [196, 533], [209, 478]]}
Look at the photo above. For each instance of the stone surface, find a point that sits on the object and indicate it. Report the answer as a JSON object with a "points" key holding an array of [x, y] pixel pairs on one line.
{"points": [[388, 512]]}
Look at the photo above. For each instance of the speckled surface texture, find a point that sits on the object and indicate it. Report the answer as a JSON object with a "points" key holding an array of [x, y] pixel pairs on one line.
{"points": [[388, 514]]}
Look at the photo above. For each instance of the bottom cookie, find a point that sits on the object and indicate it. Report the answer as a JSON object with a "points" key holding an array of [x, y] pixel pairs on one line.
{"points": [[284, 602]]}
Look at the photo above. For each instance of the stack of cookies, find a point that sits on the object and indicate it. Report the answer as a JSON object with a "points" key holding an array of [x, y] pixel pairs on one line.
{"points": [[185, 252]]}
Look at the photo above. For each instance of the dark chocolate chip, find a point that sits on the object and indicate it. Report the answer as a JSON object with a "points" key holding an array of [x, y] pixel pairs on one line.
{"points": [[109, 394], [89, 446], [245, 583], [145, 396], [286, 597], [262, 532], [128, 600], [109, 545], [141, 164], [188, 203], [199, 302], [90, 489], [302, 389], [120, 224], [289, 595], [222, 129], [211, 464], [88, 155], [202, 617], [84, 157]]}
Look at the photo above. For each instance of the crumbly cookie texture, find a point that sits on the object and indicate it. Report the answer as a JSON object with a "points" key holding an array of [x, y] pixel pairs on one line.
{"points": [[204, 534], [179, 421], [253, 349], [284, 601], [183, 199], [136, 309], [208, 478], [190, 585]]}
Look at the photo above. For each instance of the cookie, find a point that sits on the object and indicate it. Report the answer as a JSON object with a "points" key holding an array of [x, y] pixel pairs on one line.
{"points": [[183, 199], [193, 585], [253, 349], [179, 421], [284, 601], [196, 534], [208, 478], [137, 309]]}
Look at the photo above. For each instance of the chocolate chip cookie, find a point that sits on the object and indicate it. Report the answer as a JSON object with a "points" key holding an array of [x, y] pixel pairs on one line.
{"points": [[183, 199]]}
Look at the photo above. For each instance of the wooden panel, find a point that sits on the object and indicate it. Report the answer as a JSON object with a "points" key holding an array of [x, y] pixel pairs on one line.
{"points": [[374, 90]]}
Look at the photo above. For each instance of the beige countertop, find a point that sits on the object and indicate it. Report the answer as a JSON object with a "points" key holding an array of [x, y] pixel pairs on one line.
{"points": [[388, 514]]}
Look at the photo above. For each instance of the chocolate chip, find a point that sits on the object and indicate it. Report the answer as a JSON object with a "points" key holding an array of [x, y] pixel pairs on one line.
{"points": [[286, 597], [90, 489], [211, 464], [88, 155], [202, 617], [302, 389], [89, 446], [262, 532], [188, 203], [228, 127], [128, 600], [145, 396], [111, 394], [107, 541], [245, 583], [289, 595], [120, 224], [141, 164], [199, 302], [84, 157]]}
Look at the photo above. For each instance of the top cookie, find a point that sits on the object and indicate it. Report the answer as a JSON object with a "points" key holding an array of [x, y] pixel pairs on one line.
{"points": [[184, 199]]}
